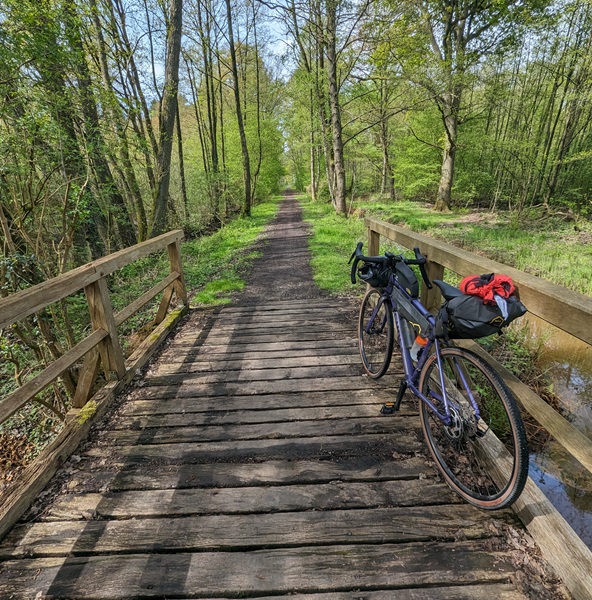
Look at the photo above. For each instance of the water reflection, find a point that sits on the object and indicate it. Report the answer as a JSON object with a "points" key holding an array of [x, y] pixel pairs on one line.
{"points": [[561, 477]]}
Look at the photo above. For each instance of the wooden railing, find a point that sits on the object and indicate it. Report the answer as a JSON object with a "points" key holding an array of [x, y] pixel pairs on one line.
{"points": [[101, 348], [566, 310]]}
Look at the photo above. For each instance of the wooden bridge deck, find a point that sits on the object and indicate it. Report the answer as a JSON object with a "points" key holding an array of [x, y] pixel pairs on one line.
{"points": [[252, 462]]}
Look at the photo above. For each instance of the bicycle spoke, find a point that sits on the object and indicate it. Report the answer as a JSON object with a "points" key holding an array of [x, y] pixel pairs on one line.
{"points": [[375, 334], [485, 424]]}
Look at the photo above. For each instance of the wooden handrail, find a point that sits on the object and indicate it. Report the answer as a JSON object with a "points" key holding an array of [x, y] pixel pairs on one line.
{"points": [[18, 306], [566, 310], [563, 308], [103, 344], [101, 347]]}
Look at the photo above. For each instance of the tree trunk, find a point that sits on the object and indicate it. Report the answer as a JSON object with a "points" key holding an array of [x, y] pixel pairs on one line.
{"points": [[387, 183], [181, 163], [313, 170], [246, 208], [169, 110], [339, 189], [449, 109]]}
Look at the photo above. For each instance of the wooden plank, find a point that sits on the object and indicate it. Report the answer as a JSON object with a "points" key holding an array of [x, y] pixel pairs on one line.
{"points": [[264, 335], [499, 591], [254, 388], [29, 390], [228, 348], [246, 500], [368, 467], [310, 303], [137, 405], [272, 325], [327, 315], [196, 355], [252, 531], [123, 315], [262, 431], [333, 447], [238, 363], [560, 306], [15, 500], [360, 567], [223, 417], [244, 375]]}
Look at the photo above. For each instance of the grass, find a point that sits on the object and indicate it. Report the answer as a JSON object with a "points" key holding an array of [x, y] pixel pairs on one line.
{"points": [[550, 248], [214, 265], [334, 239]]}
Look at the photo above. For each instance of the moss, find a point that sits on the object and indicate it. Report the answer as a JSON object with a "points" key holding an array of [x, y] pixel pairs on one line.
{"points": [[87, 412]]}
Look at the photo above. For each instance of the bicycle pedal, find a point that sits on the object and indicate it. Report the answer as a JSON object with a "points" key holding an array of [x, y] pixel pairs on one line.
{"points": [[388, 408]]}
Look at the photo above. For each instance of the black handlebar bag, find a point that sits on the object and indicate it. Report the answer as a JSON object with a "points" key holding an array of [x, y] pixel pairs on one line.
{"points": [[468, 318]]}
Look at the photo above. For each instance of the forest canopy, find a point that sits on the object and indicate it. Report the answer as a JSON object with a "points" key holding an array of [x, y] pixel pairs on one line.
{"points": [[120, 119]]}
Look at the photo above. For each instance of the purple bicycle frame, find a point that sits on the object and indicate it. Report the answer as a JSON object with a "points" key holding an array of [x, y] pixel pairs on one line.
{"points": [[412, 372]]}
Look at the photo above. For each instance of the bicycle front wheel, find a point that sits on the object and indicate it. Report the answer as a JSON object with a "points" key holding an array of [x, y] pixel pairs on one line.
{"points": [[376, 334], [482, 453]]}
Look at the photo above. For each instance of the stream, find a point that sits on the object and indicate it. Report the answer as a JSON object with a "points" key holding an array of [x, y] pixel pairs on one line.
{"points": [[560, 476]]}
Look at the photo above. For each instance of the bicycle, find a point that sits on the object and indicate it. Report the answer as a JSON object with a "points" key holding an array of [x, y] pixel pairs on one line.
{"points": [[469, 417]]}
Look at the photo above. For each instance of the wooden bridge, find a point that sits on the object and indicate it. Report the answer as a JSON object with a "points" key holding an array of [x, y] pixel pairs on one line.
{"points": [[250, 461]]}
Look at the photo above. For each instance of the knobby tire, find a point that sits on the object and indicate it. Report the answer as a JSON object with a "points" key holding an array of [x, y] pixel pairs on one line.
{"points": [[376, 344], [484, 461]]}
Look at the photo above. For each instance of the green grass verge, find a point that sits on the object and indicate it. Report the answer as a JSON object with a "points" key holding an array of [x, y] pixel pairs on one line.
{"points": [[213, 265], [550, 248], [334, 239]]}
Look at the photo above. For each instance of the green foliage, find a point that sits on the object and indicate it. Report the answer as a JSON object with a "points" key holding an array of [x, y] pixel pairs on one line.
{"points": [[334, 239], [216, 262]]}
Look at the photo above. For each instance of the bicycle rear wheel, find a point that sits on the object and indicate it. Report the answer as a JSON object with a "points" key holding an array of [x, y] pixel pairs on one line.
{"points": [[485, 459], [376, 335]]}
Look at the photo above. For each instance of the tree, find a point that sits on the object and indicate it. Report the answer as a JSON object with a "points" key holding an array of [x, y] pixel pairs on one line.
{"points": [[168, 114], [246, 208], [459, 35]]}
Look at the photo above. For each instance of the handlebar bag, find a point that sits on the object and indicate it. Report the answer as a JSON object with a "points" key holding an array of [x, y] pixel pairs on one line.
{"points": [[468, 318], [374, 274]]}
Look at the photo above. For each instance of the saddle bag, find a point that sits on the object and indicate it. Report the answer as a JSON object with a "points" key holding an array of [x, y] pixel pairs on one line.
{"points": [[468, 318]]}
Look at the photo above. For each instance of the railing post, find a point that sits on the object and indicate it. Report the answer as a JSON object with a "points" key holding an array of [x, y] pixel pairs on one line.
{"points": [[101, 316], [178, 286], [373, 242], [432, 299], [174, 251]]}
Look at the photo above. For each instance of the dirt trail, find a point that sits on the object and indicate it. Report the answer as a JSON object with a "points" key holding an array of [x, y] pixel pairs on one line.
{"points": [[283, 272]]}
